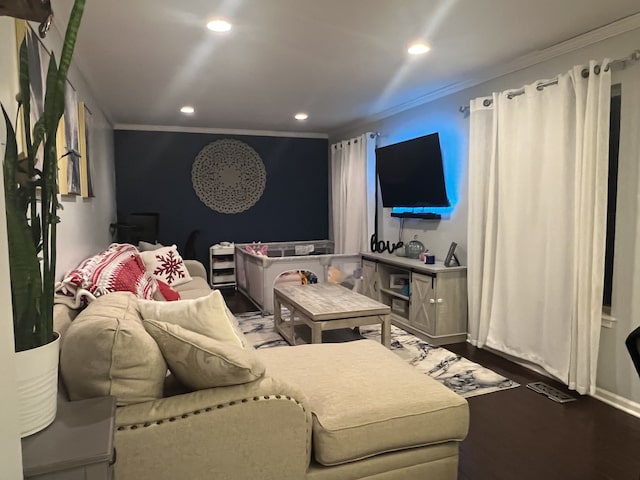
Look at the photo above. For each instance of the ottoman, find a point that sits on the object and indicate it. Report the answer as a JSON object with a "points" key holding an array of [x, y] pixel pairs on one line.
{"points": [[379, 404]]}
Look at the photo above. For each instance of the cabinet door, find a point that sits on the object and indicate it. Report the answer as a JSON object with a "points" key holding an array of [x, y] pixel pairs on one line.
{"points": [[422, 311], [451, 303], [370, 280]]}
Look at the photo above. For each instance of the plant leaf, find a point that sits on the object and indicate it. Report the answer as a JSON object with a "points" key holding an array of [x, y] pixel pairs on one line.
{"points": [[26, 282]]}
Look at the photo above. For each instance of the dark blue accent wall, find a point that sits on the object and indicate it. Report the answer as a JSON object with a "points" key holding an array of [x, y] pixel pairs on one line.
{"points": [[153, 174]]}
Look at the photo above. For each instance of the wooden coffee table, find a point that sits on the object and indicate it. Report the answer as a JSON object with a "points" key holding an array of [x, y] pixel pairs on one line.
{"points": [[327, 306]]}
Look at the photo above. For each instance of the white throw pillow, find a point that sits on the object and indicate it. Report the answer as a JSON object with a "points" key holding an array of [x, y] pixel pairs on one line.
{"points": [[204, 315], [201, 362], [167, 265]]}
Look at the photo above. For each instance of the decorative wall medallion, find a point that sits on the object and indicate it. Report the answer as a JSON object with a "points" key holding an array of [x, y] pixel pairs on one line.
{"points": [[228, 176]]}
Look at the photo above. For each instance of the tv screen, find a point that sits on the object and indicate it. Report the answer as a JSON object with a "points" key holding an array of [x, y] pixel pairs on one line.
{"points": [[411, 174]]}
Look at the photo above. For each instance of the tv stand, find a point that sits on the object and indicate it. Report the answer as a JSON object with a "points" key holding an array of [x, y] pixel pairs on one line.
{"points": [[429, 301]]}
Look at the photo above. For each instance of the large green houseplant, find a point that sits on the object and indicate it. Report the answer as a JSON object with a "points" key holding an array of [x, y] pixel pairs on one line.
{"points": [[31, 197]]}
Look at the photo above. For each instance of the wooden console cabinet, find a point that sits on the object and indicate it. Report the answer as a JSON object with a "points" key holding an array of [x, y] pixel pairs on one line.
{"points": [[427, 300]]}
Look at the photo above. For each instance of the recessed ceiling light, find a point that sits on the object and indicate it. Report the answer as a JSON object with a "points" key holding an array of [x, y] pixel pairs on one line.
{"points": [[187, 109], [301, 116], [418, 48], [219, 25]]}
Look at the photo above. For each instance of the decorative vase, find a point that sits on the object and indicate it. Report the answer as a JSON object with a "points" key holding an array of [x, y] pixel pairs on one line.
{"points": [[37, 378], [414, 248]]}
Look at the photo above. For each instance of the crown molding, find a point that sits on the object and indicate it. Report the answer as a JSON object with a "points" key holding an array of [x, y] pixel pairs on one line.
{"points": [[611, 30], [218, 131]]}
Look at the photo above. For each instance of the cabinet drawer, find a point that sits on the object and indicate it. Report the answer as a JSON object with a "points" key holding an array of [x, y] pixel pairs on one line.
{"points": [[400, 307], [224, 277], [220, 265]]}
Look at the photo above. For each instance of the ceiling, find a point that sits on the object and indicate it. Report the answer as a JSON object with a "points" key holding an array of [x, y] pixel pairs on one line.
{"points": [[340, 61]]}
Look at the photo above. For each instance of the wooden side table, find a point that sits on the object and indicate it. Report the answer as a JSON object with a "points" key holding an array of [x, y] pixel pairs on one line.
{"points": [[78, 445]]}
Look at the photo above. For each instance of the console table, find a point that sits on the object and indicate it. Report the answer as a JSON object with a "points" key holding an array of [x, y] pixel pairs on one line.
{"points": [[78, 445], [427, 300]]}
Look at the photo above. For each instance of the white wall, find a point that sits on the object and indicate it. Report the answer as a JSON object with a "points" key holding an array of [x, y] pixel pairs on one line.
{"points": [[10, 450], [84, 227], [615, 371]]}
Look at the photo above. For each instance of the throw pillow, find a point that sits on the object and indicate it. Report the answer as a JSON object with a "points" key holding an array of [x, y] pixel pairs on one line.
{"points": [[168, 293], [167, 265], [204, 315], [116, 269], [107, 351], [201, 362], [148, 247]]}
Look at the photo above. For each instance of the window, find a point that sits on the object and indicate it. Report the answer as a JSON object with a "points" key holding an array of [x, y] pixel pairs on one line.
{"points": [[614, 147]]}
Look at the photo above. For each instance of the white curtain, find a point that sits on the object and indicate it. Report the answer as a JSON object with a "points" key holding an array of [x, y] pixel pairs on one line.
{"points": [[538, 164], [353, 193]]}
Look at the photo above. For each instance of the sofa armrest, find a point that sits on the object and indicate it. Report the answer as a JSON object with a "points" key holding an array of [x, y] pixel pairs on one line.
{"points": [[195, 268], [257, 430]]}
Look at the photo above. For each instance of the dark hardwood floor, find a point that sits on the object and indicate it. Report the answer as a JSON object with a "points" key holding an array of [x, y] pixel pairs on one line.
{"points": [[519, 434]]}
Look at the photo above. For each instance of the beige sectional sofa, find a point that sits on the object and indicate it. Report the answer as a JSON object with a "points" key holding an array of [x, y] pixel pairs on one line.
{"points": [[331, 411]]}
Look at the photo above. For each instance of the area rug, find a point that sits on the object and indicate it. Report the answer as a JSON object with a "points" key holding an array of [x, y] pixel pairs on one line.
{"points": [[464, 377]]}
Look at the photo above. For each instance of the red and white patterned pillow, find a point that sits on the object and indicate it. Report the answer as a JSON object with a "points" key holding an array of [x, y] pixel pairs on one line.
{"points": [[118, 268], [167, 265]]}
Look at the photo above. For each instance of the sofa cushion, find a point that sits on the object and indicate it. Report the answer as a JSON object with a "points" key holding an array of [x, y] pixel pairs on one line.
{"points": [[201, 362], [205, 315], [364, 410], [196, 288], [107, 351], [166, 264]]}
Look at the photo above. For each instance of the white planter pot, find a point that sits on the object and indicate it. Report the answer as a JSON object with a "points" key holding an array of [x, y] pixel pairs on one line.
{"points": [[37, 378]]}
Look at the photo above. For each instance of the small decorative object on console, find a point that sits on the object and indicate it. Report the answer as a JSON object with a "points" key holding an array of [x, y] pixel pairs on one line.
{"points": [[380, 246], [398, 281], [451, 256], [414, 248]]}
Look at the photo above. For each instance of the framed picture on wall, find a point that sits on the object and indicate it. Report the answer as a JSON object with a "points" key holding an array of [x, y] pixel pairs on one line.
{"points": [[84, 129], [451, 256]]}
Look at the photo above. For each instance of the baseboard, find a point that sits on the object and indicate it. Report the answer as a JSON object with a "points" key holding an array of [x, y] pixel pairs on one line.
{"points": [[616, 401]]}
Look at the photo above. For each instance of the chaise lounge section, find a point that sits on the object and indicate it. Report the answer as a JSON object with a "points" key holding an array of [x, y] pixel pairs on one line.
{"points": [[327, 411]]}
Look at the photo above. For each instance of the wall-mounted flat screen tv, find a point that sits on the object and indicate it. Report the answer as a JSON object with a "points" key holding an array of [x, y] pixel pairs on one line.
{"points": [[411, 173]]}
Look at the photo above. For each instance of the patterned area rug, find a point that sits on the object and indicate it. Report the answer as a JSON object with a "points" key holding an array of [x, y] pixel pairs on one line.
{"points": [[453, 371]]}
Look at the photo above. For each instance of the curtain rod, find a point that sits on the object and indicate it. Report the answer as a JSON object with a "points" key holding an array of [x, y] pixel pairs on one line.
{"points": [[372, 135], [618, 64]]}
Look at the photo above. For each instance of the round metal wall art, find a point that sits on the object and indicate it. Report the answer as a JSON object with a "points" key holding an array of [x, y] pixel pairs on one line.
{"points": [[228, 176]]}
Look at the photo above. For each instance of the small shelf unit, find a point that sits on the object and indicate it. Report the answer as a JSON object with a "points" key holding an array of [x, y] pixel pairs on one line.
{"points": [[222, 272]]}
